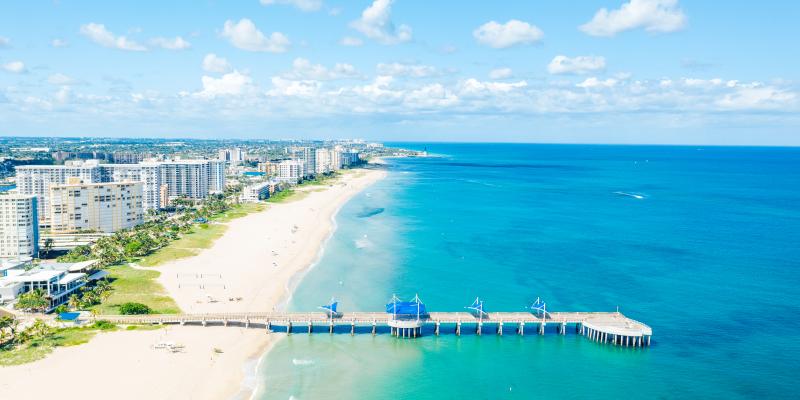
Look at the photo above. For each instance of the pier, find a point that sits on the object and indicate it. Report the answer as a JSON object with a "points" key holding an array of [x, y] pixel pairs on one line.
{"points": [[602, 327]]}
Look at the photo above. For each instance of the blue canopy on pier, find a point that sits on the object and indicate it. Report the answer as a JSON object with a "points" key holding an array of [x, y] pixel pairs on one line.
{"points": [[414, 307], [331, 309], [477, 307], [539, 306]]}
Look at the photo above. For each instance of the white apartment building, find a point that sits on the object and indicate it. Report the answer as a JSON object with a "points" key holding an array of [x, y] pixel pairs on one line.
{"points": [[37, 179], [216, 179], [104, 207], [19, 226], [234, 155], [308, 156], [149, 174], [323, 159], [189, 178], [291, 171], [257, 192]]}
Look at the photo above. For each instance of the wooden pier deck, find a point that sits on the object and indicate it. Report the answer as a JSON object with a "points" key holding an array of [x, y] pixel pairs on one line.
{"points": [[604, 327]]}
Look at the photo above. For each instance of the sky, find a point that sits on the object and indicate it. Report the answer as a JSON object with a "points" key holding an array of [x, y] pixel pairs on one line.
{"points": [[584, 71]]}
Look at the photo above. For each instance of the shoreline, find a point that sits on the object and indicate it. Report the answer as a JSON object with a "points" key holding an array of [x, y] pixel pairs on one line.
{"points": [[234, 274]]}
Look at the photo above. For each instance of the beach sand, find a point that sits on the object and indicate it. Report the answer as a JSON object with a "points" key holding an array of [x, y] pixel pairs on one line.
{"points": [[250, 268]]}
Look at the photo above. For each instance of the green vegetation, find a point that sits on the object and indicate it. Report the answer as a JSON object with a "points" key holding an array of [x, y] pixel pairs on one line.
{"points": [[33, 301], [39, 340], [201, 236], [134, 309], [238, 211], [286, 195], [321, 179], [291, 194], [132, 285], [143, 327]]}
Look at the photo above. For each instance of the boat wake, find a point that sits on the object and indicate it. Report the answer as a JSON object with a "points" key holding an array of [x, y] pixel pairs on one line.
{"points": [[296, 361], [634, 195]]}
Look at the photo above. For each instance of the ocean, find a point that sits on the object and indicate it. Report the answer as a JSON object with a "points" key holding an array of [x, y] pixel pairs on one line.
{"points": [[700, 243]]}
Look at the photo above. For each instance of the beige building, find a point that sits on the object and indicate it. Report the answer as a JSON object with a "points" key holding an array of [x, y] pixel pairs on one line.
{"points": [[36, 180], [103, 207]]}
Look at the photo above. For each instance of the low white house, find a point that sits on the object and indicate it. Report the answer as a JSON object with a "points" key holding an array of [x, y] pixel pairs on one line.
{"points": [[58, 280]]}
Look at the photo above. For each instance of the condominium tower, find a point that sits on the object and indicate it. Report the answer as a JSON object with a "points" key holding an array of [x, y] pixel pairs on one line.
{"points": [[36, 180], [103, 207], [19, 228]]}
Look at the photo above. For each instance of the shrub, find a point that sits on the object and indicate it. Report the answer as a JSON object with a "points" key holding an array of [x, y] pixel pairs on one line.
{"points": [[104, 325], [134, 309]]}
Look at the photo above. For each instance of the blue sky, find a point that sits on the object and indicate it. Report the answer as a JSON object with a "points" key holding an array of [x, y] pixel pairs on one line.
{"points": [[608, 71]]}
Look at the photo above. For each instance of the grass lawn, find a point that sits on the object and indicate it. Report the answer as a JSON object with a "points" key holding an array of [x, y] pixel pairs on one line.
{"points": [[138, 286], [190, 244], [239, 211], [287, 195], [201, 237], [39, 348]]}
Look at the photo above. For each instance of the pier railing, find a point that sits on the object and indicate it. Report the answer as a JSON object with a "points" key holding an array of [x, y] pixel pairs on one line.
{"points": [[605, 327]]}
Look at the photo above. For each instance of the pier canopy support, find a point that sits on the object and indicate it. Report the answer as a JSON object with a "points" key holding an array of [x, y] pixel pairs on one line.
{"points": [[407, 316]]}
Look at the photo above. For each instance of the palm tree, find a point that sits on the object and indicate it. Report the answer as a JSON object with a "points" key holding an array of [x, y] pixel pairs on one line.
{"points": [[74, 302], [48, 246]]}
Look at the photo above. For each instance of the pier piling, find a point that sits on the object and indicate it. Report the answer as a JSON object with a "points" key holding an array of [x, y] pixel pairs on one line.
{"points": [[608, 328]]}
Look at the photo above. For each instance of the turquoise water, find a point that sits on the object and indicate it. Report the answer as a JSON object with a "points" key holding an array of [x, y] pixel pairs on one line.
{"points": [[708, 257]]}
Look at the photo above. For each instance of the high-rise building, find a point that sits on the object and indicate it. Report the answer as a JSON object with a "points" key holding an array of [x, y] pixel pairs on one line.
{"points": [[233, 155], [19, 226], [322, 161], [129, 157], [216, 180], [308, 156], [186, 178], [37, 179], [149, 174], [103, 207], [291, 170]]}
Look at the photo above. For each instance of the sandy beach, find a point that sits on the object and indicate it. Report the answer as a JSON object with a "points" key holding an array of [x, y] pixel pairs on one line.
{"points": [[248, 269]]}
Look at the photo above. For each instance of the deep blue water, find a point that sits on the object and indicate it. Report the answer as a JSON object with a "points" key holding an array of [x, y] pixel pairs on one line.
{"points": [[702, 244]]}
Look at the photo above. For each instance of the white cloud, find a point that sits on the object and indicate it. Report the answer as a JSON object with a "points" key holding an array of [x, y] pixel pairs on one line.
{"points": [[60, 79], [4, 42], [230, 84], [430, 96], [303, 69], [351, 41], [305, 5], [246, 36], [501, 73], [591, 83], [475, 87], [214, 63], [756, 97], [575, 65], [178, 43], [375, 23], [512, 33], [16, 67], [411, 70], [293, 88], [652, 15], [102, 36], [59, 43]]}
